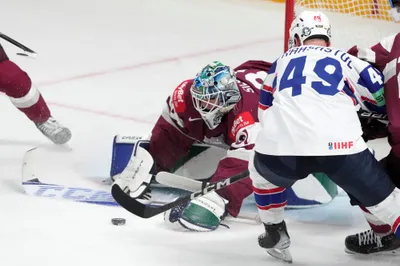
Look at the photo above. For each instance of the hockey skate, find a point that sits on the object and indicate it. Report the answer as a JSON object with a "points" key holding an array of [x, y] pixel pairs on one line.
{"points": [[369, 243], [54, 131], [276, 241]]}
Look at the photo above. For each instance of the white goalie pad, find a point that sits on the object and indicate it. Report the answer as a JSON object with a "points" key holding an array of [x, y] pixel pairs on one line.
{"points": [[136, 176]]}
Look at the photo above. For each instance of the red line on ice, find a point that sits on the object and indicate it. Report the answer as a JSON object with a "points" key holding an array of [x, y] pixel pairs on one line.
{"points": [[137, 66], [158, 62], [99, 112]]}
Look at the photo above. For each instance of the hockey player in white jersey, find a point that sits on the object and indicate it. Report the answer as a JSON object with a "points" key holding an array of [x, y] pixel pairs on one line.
{"points": [[316, 129]]}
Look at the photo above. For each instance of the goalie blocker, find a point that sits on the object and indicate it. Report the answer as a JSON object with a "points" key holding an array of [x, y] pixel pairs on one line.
{"points": [[309, 192]]}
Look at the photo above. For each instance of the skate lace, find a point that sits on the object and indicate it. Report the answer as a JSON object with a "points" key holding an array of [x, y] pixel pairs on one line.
{"points": [[49, 126], [369, 237]]}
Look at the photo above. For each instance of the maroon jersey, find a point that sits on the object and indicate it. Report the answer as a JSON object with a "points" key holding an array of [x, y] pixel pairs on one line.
{"points": [[181, 125], [385, 55]]}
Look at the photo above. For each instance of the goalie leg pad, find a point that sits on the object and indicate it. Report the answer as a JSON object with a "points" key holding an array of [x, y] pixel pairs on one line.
{"points": [[131, 166], [122, 151], [203, 214]]}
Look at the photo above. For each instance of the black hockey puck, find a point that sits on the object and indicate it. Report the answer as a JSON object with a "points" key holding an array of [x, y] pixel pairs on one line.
{"points": [[118, 221]]}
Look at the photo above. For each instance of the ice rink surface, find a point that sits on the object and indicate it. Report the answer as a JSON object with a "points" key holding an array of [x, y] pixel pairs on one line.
{"points": [[106, 67]]}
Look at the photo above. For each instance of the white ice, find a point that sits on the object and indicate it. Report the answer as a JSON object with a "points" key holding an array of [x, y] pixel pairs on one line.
{"points": [[106, 67]]}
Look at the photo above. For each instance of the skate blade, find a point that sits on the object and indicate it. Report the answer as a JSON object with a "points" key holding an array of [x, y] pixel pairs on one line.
{"points": [[281, 254], [394, 252]]}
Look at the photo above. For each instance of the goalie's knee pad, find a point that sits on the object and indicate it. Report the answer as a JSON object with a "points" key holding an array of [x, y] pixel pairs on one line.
{"points": [[203, 214]]}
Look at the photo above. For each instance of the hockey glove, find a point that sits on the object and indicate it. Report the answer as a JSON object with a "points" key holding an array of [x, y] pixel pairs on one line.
{"points": [[203, 214], [373, 129]]}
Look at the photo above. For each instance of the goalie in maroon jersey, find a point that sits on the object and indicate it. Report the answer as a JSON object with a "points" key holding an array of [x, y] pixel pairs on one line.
{"points": [[17, 85], [385, 56], [219, 108]]}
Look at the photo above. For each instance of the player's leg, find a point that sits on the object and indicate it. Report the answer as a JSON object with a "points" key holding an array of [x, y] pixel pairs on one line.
{"points": [[361, 176], [379, 239], [17, 85], [271, 176]]}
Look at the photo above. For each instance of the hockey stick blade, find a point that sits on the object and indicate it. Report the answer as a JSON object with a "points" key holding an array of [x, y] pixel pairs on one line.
{"points": [[143, 211], [77, 194]]}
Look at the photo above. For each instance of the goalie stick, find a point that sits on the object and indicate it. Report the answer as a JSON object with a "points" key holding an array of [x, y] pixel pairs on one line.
{"points": [[143, 211], [77, 194], [181, 182], [46, 172]]}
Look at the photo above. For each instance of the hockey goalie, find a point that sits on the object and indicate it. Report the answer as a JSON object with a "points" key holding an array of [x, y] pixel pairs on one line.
{"points": [[206, 130]]}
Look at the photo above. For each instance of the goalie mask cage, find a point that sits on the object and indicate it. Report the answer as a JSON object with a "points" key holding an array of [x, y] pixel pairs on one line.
{"points": [[354, 22]]}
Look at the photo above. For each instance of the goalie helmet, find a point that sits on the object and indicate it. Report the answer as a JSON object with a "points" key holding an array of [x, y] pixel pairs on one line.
{"points": [[214, 92], [309, 25]]}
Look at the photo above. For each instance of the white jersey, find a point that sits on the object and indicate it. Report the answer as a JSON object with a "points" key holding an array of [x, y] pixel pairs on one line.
{"points": [[308, 105]]}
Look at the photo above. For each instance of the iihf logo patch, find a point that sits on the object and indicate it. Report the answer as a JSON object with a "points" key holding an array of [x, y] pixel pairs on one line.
{"points": [[340, 145]]}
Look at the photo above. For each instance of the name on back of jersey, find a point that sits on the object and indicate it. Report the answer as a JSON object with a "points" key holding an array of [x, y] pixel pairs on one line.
{"points": [[343, 56]]}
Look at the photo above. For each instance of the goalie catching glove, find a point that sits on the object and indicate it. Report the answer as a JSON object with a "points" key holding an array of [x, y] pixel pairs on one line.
{"points": [[203, 214]]}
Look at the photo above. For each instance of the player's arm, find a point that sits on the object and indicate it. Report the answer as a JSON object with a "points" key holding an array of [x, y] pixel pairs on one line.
{"points": [[168, 142], [385, 57], [379, 54], [267, 92], [368, 90], [243, 132]]}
